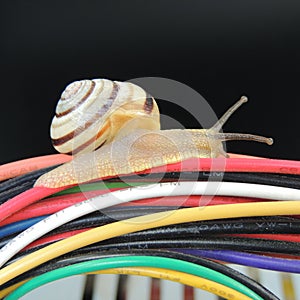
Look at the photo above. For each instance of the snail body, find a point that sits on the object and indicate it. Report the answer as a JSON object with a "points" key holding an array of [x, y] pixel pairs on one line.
{"points": [[126, 135]]}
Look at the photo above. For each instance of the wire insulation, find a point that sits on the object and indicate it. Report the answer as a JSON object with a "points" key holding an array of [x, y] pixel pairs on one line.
{"points": [[86, 254], [133, 261], [268, 225], [24, 199], [142, 223], [55, 204], [213, 164], [249, 259], [180, 277], [253, 181], [24, 166], [126, 195]]}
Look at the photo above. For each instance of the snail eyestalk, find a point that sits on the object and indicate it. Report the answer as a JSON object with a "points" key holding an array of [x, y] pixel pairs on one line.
{"points": [[242, 137], [215, 134], [218, 126]]}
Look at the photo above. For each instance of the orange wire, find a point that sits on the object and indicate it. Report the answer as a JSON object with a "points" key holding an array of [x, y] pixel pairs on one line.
{"points": [[24, 166]]}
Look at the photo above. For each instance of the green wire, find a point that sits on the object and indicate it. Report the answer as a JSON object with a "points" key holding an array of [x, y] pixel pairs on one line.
{"points": [[98, 186], [132, 261]]}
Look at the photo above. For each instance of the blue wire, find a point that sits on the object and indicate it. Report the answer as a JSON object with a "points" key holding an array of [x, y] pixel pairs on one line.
{"points": [[19, 226]]}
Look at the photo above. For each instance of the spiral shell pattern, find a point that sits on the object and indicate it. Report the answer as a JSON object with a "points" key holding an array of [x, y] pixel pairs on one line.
{"points": [[90, 113]]}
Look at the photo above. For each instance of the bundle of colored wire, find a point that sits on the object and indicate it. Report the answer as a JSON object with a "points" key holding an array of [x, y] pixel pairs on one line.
{"points": [[90, 227]]}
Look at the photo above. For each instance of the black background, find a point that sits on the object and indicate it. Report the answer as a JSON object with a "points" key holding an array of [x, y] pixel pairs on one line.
{"points": [[222, 49]]}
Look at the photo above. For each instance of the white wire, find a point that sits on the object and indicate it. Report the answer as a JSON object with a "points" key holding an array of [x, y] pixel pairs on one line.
{"points": [[142, 192]]}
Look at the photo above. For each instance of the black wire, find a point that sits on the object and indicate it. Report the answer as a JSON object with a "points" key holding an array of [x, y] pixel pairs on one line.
{"points": [[15, 186], [242, 244], [13, 182], [121, 289], [12, 192], [89, 287], [12, 187], [271, 225], [283, 180], [85, 254], [203, 243]]}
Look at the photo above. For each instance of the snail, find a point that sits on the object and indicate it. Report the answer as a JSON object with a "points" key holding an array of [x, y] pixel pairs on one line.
{"points": [[120, 122]]}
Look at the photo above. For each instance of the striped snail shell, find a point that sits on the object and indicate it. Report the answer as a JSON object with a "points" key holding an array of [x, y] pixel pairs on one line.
{"points": [[91, 113]]}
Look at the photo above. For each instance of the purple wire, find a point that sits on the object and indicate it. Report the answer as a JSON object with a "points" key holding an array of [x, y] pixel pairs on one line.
{"points": [[248, 259]]}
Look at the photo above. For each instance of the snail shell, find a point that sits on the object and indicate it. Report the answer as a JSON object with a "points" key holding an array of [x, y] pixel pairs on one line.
{"points": [[91, 113]]}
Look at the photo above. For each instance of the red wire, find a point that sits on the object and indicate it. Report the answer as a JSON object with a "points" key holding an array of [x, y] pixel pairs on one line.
{"points": [[27, 165], [54, 238], [55, 204], [188, 293], [48, 206], [278, 237], [63, 235], [24, 199], [155, 289], [288, 256], [260, 165], [193, 201], [204, 164]]}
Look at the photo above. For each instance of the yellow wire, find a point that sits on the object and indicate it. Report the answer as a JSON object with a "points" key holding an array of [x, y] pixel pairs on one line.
{"points": [[183, 278], [5, 292], [288, 286], [146, 222]]}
